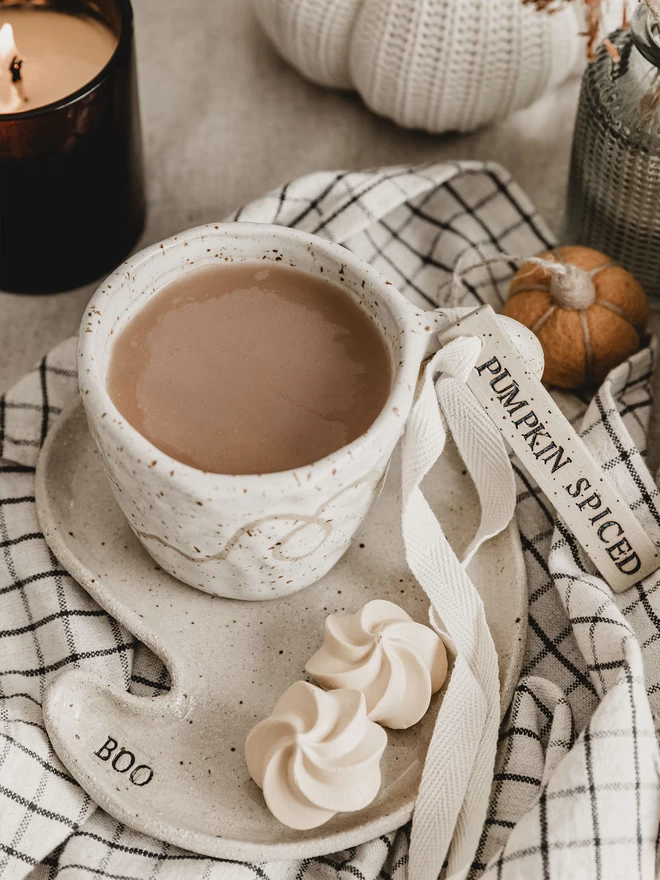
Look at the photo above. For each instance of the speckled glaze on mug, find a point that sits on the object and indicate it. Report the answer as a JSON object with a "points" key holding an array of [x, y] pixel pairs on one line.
{"points": [[256, 536]]}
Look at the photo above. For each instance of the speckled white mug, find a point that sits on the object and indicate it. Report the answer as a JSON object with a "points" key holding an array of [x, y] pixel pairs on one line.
{"points": [[258, 536]]}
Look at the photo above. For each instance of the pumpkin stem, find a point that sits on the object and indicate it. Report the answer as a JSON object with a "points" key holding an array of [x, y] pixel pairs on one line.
{"points": [[572, 287]]}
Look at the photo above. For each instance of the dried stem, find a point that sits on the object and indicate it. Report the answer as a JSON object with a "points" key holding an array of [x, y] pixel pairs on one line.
{"points": [[654, 6], [594, 16], [546, 5]]}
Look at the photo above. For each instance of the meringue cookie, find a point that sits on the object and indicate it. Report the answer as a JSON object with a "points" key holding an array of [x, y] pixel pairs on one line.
{"points": [[380, 650], [318, 754]]}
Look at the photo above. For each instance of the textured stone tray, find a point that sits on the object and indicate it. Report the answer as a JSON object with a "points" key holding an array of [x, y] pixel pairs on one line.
{"points": [[229, 661]]}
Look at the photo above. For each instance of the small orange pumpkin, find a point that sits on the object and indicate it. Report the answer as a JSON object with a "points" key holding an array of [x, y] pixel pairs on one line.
{"points": [[588, 313]]}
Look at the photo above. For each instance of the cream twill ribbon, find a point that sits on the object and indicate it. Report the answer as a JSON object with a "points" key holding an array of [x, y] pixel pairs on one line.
{"points": [[453, 797]]}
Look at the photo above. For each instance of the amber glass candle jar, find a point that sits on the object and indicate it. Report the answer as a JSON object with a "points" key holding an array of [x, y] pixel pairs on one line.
{"points": [[71, 177]]}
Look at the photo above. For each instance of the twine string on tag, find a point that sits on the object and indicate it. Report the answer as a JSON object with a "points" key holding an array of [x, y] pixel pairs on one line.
{"points": [[457, 284]]}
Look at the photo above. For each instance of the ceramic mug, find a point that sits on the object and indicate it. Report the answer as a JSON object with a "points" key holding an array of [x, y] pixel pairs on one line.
{"points": [[256, 536]]}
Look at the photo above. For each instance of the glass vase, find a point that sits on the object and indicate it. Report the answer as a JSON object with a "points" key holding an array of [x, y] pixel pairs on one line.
{"points": [[613, 200]]}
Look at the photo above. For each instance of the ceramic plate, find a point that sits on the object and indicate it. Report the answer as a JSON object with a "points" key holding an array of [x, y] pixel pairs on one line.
{"points": [[177, 770]]}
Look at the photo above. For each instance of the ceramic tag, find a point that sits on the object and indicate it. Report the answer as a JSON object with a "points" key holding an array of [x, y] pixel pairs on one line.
{"points": [[554, 455]]}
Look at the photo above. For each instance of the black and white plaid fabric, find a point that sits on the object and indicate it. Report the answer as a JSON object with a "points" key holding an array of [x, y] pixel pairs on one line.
{"points": [[576, 792]]}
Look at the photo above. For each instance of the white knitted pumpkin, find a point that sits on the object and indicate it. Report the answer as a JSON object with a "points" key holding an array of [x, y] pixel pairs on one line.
{"points": [[440, 65]]}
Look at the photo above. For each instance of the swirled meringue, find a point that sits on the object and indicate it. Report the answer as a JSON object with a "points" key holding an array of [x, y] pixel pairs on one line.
{"points": [[318, 754], [380, 650]]}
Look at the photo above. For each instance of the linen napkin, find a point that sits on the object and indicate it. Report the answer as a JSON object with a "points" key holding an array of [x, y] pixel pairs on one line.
{"points": [[575, 789]]}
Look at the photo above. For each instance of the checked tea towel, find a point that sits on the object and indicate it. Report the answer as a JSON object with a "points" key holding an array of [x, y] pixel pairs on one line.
{"points": [[575, 790]]}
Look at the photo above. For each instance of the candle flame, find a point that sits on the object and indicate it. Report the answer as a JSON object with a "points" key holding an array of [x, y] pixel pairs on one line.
{"points": [[8, 48], [10, 94]]}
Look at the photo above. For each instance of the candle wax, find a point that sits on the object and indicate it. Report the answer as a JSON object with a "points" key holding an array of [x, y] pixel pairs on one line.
{"points": [[61, 53]]}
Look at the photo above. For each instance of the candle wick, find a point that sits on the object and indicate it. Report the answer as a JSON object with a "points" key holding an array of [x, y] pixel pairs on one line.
{"points": [[15, 69], [16, 76]]}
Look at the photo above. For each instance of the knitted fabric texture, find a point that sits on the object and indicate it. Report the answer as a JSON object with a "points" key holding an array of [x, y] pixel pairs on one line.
{"points": [[439, 65]]}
